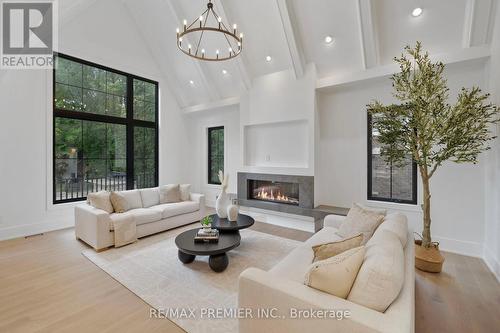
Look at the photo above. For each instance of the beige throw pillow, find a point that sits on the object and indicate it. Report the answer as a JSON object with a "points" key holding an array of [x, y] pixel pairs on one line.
{"points": [[328, 250], [382, 275], [336, 275], [119, 202], [185, 191], [358, 221], [100, 200], [170, 193]]}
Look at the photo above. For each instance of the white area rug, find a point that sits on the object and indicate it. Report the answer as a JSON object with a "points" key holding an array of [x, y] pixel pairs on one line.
{"points": [[150, 269]]}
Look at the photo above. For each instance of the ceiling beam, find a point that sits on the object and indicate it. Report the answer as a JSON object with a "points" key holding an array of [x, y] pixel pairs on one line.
{"points": [[212, 105], [201, 66], [154, 49], [465, 55], [368, 37], [288, 22], [478, 22], [468, 23], [241, 61]]}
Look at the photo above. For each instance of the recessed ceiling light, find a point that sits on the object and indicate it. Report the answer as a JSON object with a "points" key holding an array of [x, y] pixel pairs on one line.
{"points": [[269, 58], [191, 82], [417, 12], [329, 40], [224, 72]]}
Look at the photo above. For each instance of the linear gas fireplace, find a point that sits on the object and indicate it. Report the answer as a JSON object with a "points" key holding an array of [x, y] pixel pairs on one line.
{"points": [[272, 191], [286, 193]]}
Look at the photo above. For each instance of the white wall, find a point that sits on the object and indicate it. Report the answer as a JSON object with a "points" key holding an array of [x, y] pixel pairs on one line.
{"points": [[197, 124], [492, 203], [457, 190], [105, 34]]}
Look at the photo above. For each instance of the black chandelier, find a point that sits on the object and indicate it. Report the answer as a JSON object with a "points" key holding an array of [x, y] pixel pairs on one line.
{"points": [[199, 25]]}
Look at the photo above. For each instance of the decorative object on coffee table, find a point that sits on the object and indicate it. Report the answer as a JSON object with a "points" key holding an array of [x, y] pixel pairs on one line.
{"points": [[218, 260], [233, 210], [206, 222], [428, 128], [224, 225], [222, 201]]}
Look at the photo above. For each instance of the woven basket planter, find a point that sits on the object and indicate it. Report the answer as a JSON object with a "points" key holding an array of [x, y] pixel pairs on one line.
{"points": [[428, 259]]}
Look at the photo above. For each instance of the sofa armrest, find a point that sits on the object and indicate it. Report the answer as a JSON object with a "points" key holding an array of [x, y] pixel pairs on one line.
{"points": [[197, 197], [92, 225], [200, 199], [262, 290], [333, 221]]}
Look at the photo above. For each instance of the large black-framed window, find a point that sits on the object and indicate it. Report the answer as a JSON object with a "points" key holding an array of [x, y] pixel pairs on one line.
{"points": [[215, 154], [386, 181], [105, 130]]}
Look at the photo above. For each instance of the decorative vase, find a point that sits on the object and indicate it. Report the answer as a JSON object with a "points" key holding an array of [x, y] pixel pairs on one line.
{"points": [[232, 212], [428, 259], [221, 204]]}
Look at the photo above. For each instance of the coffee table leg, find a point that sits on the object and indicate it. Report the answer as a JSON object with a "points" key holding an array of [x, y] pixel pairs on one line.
{"points": [[185, 258], [218, 263]]}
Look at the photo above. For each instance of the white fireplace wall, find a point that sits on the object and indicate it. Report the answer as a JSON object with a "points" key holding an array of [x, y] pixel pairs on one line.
{"points": [[283, 144], [279, 104]]}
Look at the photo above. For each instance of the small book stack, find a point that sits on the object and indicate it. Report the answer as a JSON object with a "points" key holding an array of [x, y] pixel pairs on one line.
{"points": [[207, 236]]}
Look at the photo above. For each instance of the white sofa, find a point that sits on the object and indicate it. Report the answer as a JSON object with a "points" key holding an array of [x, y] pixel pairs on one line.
{"points": [[95, 226], [282, 288]]}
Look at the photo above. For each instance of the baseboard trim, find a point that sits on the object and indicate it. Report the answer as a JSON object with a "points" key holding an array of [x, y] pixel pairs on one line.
{"points": [[492, 264], [33, 229], [466, 248]]}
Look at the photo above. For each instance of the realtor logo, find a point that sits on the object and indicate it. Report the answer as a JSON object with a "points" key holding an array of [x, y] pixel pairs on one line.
{"points": [[28, 34]]}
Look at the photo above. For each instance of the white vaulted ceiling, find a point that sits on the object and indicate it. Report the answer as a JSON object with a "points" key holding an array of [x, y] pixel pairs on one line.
{"points": [[367, 35]]}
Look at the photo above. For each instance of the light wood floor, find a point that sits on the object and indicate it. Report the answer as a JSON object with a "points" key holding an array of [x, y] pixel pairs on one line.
{"points": [[46, 285]]}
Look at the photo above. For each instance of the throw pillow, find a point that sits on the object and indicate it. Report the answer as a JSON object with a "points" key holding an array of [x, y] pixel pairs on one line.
{"points": [[336, 275], [328, 250], [185, 191], [381, 277], [170, 193], [358, 221], [100, 200], [119, 202]]}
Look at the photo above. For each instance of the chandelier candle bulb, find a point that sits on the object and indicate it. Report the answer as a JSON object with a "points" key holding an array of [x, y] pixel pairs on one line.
{"points": [[185, 25], [235, 26]]}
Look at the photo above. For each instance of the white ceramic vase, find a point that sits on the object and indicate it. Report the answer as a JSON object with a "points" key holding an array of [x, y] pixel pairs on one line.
{"points": [[221, 204], [232, 212]]}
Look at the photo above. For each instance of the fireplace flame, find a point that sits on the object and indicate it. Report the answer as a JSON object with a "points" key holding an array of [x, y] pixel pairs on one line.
{"points": [[268, 194]]}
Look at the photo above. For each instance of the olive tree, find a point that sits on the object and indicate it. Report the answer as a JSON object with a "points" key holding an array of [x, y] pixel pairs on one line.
{"points": [[425, 126]]}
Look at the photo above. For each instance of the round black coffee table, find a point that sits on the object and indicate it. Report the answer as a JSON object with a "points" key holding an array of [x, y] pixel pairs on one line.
{"points": [[218, 259], [223, 225]]}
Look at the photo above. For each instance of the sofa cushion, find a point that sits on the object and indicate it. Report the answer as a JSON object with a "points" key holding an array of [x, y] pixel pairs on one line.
{"points": [[126, 200], [185, 190], [381, 276], [177, 208], [120, 204], [295, 265], [170, 193], [360, 220], [398, 224], [145, 215], [101, 200], [150, 197], [331, 249], [336, 275]]}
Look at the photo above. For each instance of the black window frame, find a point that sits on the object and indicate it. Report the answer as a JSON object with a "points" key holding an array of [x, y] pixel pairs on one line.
{"points": [[129, 122], [413, 200], [209, 159]]}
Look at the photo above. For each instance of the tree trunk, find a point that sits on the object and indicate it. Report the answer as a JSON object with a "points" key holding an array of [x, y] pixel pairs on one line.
{"points": [[426, 208]]}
